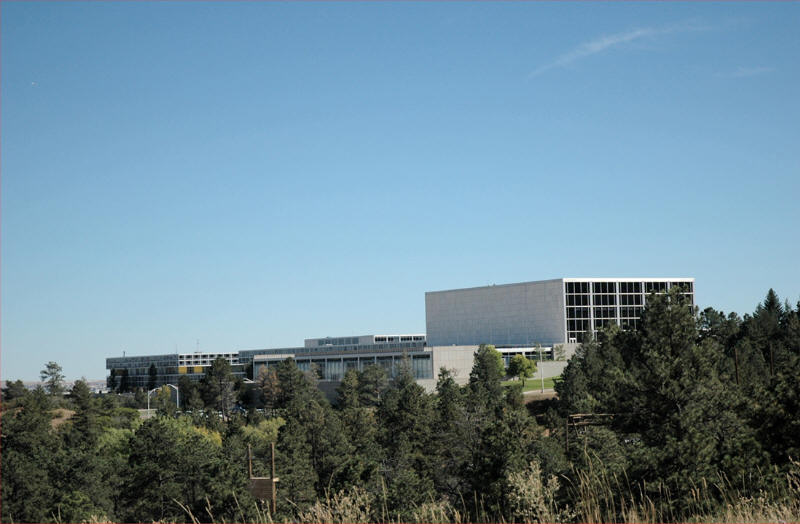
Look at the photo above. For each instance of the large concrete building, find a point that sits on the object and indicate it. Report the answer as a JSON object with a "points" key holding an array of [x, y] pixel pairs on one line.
{"points": [[547, 311], [529, 318]]}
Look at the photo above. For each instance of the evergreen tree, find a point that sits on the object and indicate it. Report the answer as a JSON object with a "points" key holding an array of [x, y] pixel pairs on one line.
{"points": [[111, 382], [53, 378], [488, 371], [85, 428], [173, 463], [139, 397], [218, 386], [662, 384], [407, 416], [447, 437], [269, 387], [372, 384], [152, 374], [348, 390], [82, 490], [14, 390], [124, 382], [297, 474], [29, 450], [776, 414]]}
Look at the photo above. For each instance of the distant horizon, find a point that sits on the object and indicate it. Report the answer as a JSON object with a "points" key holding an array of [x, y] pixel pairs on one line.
{"points": [[248, 175]]}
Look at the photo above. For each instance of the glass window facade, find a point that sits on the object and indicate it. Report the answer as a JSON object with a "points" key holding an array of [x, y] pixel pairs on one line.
{"points": [[594, 305], [334, 368]]}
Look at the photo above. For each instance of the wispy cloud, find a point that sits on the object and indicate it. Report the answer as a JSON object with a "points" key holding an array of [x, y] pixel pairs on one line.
{"points": [[742, 72], [607, 42]]}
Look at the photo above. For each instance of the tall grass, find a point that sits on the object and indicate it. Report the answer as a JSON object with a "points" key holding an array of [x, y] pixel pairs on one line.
{"points": [[612, 499], [595, 496]]}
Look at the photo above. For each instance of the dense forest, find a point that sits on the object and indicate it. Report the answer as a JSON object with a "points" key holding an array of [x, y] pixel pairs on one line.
{"points": [[695, 416]]}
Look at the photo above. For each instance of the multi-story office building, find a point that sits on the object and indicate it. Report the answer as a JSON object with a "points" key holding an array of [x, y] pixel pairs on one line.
{"points": [[548, 311], [319, 351], [169, 368]]}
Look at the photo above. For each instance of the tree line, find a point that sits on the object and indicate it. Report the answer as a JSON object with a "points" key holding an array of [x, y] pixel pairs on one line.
{"points": [[688, 415]]}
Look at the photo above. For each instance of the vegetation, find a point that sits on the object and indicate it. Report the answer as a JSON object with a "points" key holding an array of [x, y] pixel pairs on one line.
{"points": [[521, 368], [53, 378], [533, 385], [693, 417]]}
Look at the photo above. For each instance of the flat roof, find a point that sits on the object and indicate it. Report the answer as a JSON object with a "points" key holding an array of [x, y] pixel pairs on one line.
{"points": [[371, 335], [573, 279]]}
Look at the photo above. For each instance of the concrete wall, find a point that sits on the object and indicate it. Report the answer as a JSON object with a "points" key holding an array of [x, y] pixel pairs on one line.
{"points": [[457, 359], [510, 314]]}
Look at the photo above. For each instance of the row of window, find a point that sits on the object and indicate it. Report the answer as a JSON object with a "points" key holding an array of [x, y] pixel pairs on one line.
{"points": [[363, 347], [603, 312], [144, 381], [630, 300], [334, 369], [546, 354], [630, 287], [604, 300], [405, 338], [577, 328], [624, 287], [337, 341], [122, 362], [170, 370], [630, 312]]}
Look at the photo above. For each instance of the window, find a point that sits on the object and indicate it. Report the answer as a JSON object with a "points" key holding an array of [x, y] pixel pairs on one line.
{"points": [[333, 370], [421, 366], [655, 287]]}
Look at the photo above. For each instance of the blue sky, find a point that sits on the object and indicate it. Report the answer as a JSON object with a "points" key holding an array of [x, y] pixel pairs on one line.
{"points": [[252, 174]]}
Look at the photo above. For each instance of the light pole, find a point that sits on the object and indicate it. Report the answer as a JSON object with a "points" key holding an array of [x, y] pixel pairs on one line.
{"points": [[541, 368], [177, 396], [148, 399]]}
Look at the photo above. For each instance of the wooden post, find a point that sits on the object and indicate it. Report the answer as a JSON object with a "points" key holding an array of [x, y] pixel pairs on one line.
{"points": [[272, 478]]}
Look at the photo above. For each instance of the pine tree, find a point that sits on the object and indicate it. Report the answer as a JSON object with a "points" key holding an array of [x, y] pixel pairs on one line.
{"points": [[53, 378], [688, 422], [487, 373], [14, 390], [407, 417], [348, 390], [372, 384], [218, 386], [29, 451], [152, 374]]}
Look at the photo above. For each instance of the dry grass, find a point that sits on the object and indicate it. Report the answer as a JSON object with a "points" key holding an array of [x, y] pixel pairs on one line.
{"points": [[60, 416], [533, 499], [603, 499]]}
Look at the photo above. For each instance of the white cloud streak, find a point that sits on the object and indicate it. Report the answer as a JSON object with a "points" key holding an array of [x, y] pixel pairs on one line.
{"points": [[604, 43], [743, 72]]}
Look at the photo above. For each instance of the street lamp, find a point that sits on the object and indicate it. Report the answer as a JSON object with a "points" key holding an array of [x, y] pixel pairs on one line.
{"points": [[177, 396]]}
